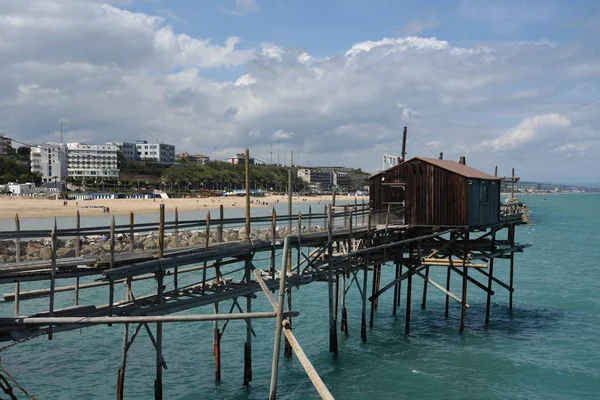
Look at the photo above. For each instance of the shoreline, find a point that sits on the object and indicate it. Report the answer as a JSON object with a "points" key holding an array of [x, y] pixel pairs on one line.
{"points": [[28, 207]]}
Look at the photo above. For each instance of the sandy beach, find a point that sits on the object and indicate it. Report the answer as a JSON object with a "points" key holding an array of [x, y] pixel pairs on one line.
{"points": [[29, 207]]}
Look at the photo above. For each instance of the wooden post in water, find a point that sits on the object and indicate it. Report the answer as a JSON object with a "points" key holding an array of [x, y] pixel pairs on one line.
{"points": [[77, 236], [511, 240], [425, 282], [278, 320], [463, 310], [217, 345], [490, 277], [220, 226], [410, 267], [396, 276], [248, 344], [333, 345], [206, 242], [158, 387], [373, 292], [273, 241], [77, 250], [176, 269], [131, 235], [448, 276], [54, 238], [363, 323], [18, 240], [17, 259], [247, 174], [111, 284]]}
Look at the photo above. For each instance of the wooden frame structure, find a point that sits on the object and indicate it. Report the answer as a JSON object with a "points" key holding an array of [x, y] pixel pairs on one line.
{"points": [[343, 253]]}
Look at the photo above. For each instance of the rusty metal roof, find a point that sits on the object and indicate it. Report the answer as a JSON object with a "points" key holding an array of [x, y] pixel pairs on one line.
{"points": [[449, 165]]}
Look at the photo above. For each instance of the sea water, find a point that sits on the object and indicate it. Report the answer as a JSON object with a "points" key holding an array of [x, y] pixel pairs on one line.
{"points": [[546, 348]]}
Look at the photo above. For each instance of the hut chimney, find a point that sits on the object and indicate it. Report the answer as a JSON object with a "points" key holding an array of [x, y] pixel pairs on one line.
{"points": [[441, 155], [463, 160]]}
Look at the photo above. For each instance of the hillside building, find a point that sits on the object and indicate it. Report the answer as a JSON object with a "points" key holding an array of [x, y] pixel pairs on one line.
{"points": [[96, 161], [50, 160]]}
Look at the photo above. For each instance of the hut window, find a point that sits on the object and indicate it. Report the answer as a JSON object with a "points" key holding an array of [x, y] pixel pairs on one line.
{"points": [[485, 195]]}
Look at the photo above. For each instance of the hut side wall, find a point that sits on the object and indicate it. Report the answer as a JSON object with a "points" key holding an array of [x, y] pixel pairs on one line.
{"points": [[434, 196], [484, 208]]}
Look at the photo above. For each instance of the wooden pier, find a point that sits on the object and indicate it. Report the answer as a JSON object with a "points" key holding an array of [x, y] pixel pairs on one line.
{"points": [[344, 247]]}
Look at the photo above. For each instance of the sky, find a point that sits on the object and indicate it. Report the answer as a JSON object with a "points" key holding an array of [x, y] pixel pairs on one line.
{"points": [[513, 84]]}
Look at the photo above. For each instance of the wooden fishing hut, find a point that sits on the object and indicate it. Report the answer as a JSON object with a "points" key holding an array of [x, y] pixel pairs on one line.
{"points": [[428, 192]]}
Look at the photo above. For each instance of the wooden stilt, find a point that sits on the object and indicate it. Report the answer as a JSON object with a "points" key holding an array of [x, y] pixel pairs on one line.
{"points": [[176, 269], [217, 345], [490, 278], [395, 299], [287, 347], [131, 235], [17, 298], [399, 284], [158, 386], [377, 283], [448, 272], [278, 321], [465, 281], [363, 324], [373, 292], [425, 282], [18, 240], [111, 285], [344, 324], [206, 242], [77, 235], [408, 297], [121, 370], [273, 241], [248, 345], [333, 345], [52, 276], [511, 239]]}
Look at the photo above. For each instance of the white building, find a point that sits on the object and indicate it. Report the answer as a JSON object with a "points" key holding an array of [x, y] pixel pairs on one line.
{"points": [[92, 161], [155, 152], [129, 150], [50, 160], [20, 189]]}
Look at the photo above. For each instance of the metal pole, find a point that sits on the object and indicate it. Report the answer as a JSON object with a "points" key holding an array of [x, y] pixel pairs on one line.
{"points": [[404, 134], [247, 168], [290, 195], [278, 320]]}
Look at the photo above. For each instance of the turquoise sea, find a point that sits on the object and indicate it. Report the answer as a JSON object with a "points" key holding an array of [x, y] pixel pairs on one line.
{"points": [[548, 347]]}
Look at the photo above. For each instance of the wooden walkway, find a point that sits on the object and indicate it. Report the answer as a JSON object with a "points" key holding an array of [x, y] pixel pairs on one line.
{"points": [[347, 251]]}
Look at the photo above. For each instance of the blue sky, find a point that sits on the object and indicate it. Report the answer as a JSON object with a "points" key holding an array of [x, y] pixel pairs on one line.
{"points": [[508, 83]]}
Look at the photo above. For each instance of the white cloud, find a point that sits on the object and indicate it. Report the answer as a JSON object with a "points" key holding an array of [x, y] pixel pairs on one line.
{"points": [[528, 131], [281, 134]]}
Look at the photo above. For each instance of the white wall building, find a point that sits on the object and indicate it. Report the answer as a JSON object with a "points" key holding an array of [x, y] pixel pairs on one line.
{"points": [[155, 152], [129, 150], [92, 161], [50, 160]]}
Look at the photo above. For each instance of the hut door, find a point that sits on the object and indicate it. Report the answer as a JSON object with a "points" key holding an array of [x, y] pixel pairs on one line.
{"points": [[484, 202]]}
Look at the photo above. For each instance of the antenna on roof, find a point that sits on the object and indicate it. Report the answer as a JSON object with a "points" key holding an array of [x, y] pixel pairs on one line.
{"points": [[441, 155], [404, 133], [463, 160]]}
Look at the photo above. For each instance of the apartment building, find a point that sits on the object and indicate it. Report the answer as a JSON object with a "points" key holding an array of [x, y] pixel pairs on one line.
{"points": [[324, 179], [155, 152], [92, 161], [128, 150], [50, 160]]}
